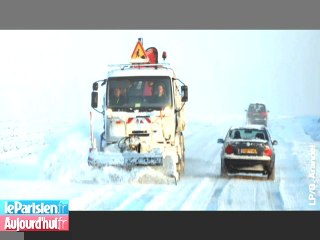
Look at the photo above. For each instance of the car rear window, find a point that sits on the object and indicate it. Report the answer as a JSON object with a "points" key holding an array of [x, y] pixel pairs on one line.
{"points": [[257, 108], [248, 134]]}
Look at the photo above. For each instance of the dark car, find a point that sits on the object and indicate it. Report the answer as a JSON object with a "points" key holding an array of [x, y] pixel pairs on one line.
{"points": [[248, 149], [257, 114]]}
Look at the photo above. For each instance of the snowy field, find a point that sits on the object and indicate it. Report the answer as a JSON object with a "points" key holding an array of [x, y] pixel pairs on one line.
{"points": [[40, 159]]}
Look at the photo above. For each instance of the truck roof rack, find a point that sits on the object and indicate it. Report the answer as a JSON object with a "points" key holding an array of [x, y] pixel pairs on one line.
{"points": [[138, 65]]}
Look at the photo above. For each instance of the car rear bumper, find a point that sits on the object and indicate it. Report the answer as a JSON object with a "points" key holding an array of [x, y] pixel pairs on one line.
{"points": [[258, 121], [235, 165]]}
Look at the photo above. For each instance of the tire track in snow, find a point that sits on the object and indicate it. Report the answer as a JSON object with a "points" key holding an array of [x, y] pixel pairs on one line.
{"points": [[239, 192], [197, 199], [211, 150], [167, 198], [274, 196], [134, 198], [220, 183], [267, 196], [109, 197], [218, 188], [201, 149]]}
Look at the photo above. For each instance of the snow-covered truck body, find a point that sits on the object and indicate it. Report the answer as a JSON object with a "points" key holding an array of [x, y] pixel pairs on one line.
{"points": [[141, 128]]}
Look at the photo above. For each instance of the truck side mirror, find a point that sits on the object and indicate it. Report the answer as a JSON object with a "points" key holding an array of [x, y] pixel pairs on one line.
{"points": [[94, 99], [184, 92], [94, 94], [95, 86]]}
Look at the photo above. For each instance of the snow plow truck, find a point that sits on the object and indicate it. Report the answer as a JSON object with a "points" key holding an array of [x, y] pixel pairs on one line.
{"points": [[143, 116]]}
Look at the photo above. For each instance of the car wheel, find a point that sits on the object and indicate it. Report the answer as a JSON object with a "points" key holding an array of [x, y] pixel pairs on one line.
{"points": [[224, 171], [271, 175]]}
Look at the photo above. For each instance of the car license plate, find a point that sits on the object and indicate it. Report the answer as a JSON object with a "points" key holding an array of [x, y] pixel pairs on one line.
{"points": [[248, 150]]}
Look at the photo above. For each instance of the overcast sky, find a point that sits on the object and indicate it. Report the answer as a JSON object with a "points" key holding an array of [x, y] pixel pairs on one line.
{"points": [[48, 73]]}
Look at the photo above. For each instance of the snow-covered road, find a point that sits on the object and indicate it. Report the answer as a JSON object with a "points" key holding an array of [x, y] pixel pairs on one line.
{"points": [[48, 161]]}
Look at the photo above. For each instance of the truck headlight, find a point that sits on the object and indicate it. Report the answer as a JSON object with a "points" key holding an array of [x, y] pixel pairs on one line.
{"points": [[167, 111]]}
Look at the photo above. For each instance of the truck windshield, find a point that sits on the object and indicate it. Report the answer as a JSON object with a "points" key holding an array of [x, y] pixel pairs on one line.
{"points": [[150, 92]]}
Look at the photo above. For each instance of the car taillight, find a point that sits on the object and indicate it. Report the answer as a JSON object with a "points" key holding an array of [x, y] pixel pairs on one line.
{"points": [[229, 149], [129, 120], [267, 151], [148, 120], [264, 114]]}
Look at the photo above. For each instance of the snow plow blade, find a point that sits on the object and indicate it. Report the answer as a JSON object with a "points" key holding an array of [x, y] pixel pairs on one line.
{"points": [[125, 159]]}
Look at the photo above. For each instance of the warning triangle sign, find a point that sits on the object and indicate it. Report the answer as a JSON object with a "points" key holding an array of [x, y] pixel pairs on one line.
{"points": [[139, 54]]}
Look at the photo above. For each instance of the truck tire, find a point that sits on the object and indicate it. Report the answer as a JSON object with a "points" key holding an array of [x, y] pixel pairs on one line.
{"points": [[101, 141], [181, 157], [182, 153]]}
